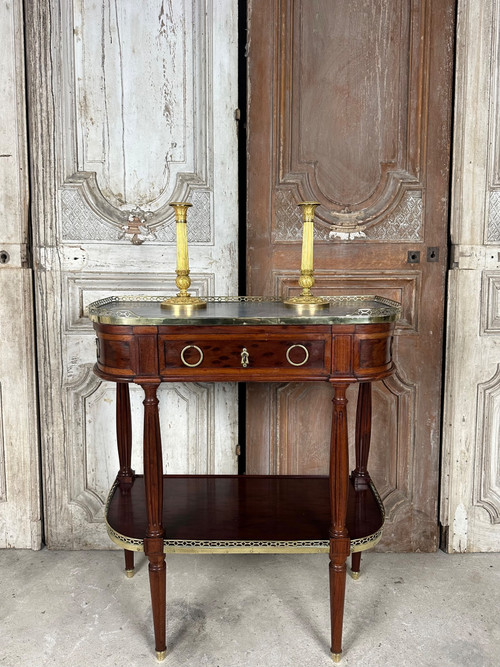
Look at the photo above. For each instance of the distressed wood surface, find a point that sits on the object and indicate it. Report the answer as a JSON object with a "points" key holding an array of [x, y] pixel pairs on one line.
{"points": [[130, 107], [350, 105], [470, 511], [20, 519]]}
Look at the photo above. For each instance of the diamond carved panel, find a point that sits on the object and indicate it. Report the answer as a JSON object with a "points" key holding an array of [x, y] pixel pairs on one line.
{"points": [[86, 218], [493, 230], [404, 224]]}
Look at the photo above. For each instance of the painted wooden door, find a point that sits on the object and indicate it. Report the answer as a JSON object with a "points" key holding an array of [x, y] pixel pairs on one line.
{"points": [[20, 520], [470, 512], [350, 106], [131, 106]]}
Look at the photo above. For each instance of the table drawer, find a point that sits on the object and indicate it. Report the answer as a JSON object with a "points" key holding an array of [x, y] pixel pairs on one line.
{"points": [[241, 357]]}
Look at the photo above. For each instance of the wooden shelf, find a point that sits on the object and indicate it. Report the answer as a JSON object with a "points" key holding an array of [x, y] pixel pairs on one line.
{"points": [[241, 513]]}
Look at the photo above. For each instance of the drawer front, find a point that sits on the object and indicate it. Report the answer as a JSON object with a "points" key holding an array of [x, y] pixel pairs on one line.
{"points": [[245, 357], [127, 355]]}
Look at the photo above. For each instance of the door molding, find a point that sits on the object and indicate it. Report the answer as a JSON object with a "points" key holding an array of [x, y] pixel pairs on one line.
{"points": [[20, 504], [470, 507], [131, 107]]}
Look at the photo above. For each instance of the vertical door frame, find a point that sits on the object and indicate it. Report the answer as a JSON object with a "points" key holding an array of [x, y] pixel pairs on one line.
{"points": [[428, 104], [84, 194], [470, 488], [20, 504]]}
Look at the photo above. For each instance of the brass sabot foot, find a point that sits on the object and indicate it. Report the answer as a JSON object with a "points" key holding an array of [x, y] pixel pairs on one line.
{"points": [[336, 657], [161, 655], [355, 575], [130, 573]]}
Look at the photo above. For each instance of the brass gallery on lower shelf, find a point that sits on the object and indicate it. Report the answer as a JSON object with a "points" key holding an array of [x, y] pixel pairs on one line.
{"points": [[241, 546]]}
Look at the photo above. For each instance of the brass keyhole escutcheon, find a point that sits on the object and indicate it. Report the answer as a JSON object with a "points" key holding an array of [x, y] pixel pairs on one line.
{"points": [[300, 363], [245, 357], [189, 347]]}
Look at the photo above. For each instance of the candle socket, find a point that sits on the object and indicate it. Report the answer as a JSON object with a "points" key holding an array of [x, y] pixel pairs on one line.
{"points": [[183, 281], [306, 280]]}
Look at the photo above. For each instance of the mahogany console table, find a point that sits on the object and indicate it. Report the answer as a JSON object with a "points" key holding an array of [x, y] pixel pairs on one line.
{"points": [[244, 339]]}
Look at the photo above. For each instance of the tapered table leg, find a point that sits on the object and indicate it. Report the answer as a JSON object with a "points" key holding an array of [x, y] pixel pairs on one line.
{"points": [[360, 474], [363, 434], [124, 435], [153, 542], [129, 563], [124, 442], [339, 538]]}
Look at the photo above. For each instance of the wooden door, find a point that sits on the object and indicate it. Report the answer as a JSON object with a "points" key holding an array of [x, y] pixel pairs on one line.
{"points": [[131, 106], [470, 506], [350, 106], [20, 520]]}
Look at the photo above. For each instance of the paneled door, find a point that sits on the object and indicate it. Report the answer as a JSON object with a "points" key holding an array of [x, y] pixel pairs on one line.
{"points": [[350, 106], [470, 505], [20, 511], [131, 106]]}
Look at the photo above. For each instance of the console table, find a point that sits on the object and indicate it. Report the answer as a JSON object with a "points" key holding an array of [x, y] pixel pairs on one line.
{"points": [[244, 339]]}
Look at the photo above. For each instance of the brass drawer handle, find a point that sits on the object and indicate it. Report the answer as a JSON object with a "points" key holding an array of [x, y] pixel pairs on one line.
{"points": [[245, 357], [292, 362], [186, 363]]}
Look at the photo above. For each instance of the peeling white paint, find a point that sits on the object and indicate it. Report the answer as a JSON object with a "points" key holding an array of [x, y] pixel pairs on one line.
{"points": [[470, 486], [141, 114], [460, 524], [20, 525]]}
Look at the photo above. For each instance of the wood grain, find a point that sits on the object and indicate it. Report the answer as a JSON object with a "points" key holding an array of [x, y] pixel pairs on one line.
{"points": [[252, 507], [350, 106]]}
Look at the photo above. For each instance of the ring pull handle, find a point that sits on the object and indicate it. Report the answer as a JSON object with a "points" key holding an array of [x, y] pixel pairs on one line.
{"points": [[186, 363], [301, 363], [245, 357]]}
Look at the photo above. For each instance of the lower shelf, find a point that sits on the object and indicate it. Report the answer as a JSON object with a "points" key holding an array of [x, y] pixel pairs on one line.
{"points": [[243, 514]]}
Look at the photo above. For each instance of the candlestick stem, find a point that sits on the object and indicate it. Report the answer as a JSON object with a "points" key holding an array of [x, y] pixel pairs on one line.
{"points": [[306, 280], [183, 281]]}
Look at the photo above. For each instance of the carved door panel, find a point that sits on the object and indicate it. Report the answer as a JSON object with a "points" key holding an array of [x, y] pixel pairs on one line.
{"points": [[470, 508], [20, 520], [131, 106], [350, 106]]}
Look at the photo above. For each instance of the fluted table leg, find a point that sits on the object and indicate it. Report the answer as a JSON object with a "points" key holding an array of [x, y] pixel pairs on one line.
{"points": [[339, 538], [360, 475], [153, 542], [124, 441]]}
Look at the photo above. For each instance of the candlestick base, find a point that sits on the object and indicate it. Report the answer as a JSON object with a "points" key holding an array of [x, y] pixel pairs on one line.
{"points": [[184, 301], [307, 300]]}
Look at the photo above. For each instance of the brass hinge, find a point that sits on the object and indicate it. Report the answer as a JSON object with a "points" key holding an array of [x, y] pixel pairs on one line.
{"points": [[238, 450]]}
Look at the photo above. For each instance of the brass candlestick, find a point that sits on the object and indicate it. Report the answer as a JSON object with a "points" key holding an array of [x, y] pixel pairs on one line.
{"points": [[306, 280], [183, 281]]}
